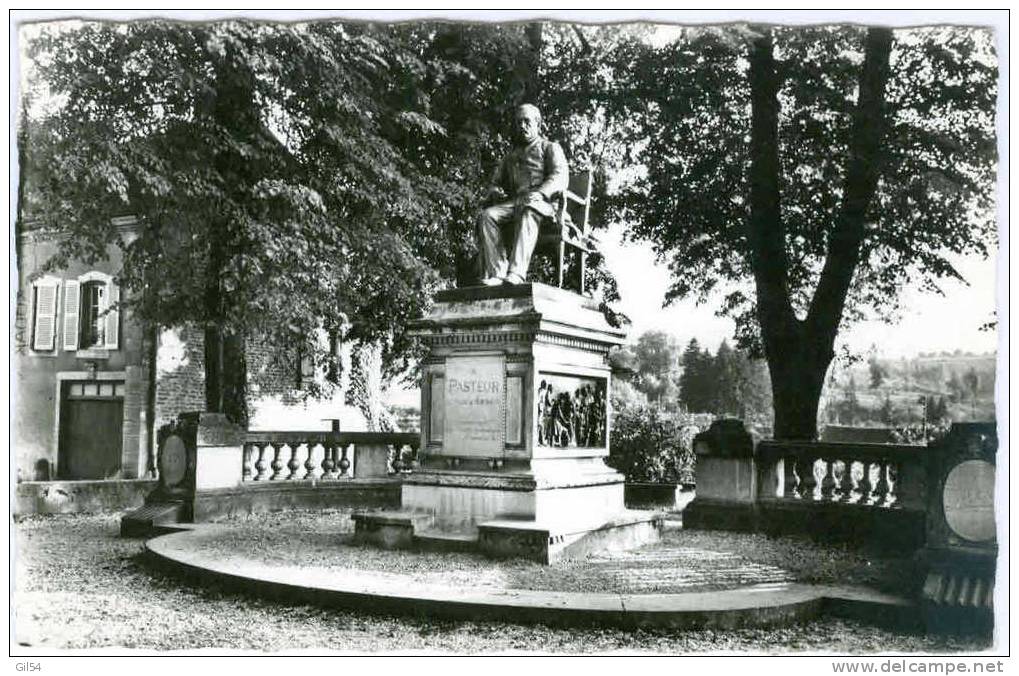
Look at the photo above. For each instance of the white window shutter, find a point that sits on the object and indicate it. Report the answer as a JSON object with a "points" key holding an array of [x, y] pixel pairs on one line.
{"points": [[45, 329], [72, 301], [112, 318]]}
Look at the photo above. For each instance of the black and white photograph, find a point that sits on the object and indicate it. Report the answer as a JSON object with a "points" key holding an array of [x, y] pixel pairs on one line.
{"points": [[510, 333]]}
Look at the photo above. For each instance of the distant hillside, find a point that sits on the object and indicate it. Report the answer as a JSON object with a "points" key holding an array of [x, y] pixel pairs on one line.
{"points": [[954, 387]]}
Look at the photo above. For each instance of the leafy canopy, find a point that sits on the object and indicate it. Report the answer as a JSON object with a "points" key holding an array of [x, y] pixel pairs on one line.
{"points": [[320, 176], [689, 113]]}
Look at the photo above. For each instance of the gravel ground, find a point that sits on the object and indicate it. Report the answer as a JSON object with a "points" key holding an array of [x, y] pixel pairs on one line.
{"points": [[78, 585], [685, 561]]}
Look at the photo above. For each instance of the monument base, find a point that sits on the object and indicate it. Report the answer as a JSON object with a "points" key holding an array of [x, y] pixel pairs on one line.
{"points": [[560, 510], [557, 491], [515, 429], [541, 541]]}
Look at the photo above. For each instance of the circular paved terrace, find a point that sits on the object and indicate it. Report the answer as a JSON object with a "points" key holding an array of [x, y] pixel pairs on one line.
{"points": [[691, 579]]}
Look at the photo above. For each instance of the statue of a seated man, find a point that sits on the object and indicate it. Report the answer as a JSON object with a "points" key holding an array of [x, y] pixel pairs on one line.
{"points": [[523, 187]]}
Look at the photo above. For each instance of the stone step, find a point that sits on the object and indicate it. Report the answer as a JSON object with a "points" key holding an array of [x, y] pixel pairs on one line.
{"points": [[446, 541], [152, 519]]}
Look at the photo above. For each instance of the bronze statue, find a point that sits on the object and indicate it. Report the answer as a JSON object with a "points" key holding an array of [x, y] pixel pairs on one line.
{"points": [[523, 187]]}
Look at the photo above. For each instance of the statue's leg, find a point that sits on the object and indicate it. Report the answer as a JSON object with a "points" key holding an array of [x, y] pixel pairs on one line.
{"points": [[524, 239], [493, 252]]}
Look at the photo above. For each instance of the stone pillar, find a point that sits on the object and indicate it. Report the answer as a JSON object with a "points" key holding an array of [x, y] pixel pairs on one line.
{"points": [[196, 452], [962, 543], [371, 461], [219, 451], [726, 494]]}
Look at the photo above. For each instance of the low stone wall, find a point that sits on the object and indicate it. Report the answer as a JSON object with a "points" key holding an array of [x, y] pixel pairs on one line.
{"points": [[75, 497], [253, 498]]}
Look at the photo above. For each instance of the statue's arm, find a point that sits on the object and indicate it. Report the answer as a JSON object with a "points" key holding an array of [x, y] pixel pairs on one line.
{"points": [[557, 172]]}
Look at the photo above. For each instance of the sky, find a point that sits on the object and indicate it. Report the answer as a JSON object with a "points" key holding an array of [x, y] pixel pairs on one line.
{"points": [[929, 324]]}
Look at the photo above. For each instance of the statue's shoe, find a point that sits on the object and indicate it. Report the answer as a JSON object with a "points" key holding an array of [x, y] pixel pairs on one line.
{"points": [[513, 279], [492, 281]]}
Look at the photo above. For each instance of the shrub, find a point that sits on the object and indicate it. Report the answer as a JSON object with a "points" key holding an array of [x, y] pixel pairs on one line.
{"points": [[650, 446]]}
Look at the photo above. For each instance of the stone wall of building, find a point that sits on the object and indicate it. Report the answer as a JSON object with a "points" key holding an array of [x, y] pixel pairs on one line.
{"points": [[275, 402]]}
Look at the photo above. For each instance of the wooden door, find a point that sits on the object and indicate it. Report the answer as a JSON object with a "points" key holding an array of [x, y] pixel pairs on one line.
{"points": [[91, 430]]}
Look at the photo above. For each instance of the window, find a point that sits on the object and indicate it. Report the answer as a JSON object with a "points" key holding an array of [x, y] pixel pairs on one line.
{"points": [[93, 326], [44, 314], [91, 317]]}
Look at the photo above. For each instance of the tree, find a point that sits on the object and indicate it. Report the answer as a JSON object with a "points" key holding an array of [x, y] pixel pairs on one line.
{"points": [[288, 178], [808, 174], [877, 372], [887, 410], [956, 389], [657, 355], [695, 388], [939, 411], [850, 404]]}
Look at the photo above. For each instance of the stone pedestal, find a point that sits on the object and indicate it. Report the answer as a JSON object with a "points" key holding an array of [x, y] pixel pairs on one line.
{"points": [[199, 451], [515, 424], [726, 479], [962, 543]]}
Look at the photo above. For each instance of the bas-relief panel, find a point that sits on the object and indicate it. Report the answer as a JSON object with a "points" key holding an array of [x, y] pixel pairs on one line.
{"points": [[571, 411]]}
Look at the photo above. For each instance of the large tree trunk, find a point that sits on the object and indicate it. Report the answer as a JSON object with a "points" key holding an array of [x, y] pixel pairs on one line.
{"points": [[226, 372], [225, 358], [797, 380], [799, 351]]}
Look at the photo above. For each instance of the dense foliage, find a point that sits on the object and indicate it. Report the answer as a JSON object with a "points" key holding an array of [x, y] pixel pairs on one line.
{"points": [[805, 175], [727, 383], [649, 445], [291, 180]]}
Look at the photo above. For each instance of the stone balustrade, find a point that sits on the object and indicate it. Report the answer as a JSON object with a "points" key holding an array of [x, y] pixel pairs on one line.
{"points": [[865, 492], [327, 456], [878, 476]]}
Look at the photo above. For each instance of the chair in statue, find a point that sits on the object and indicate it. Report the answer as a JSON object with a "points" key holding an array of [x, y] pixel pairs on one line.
{"points": [[569, 228]]}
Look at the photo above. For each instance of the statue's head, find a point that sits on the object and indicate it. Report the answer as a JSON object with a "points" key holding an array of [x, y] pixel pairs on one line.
{"points": [[527, 123]]}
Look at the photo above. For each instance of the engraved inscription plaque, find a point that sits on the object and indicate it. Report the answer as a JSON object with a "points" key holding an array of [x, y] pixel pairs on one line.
{"points": [[475, 404], [968, 498]]}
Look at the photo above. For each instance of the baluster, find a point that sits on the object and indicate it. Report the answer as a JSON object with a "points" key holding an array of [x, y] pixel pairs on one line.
{"points": [[893, 498], [309, 463], [396, 463], [865, 486], [828, 481], [277, 463], [791, 481], [808, 482], [294, 464], [846, 485], [246, 462], [261, 465], [344, 463], [881, 489], [328, 463], [412, 458]]}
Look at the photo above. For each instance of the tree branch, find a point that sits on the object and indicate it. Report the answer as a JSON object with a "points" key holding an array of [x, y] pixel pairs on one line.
{"points": [[766, 231], [863, 171]]}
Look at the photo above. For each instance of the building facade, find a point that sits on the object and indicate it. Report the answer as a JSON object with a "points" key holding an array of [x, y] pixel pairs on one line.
{"points": [[92, 386], [81, 376]]}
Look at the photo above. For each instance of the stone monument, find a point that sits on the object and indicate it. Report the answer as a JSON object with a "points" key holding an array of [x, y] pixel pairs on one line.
{"points": [[514, 431], [962, 544]]}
